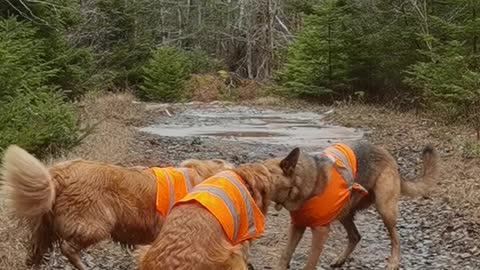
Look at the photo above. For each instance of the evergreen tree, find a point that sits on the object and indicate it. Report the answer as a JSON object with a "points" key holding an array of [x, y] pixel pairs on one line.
{"points": [[165, 75], [317, 62]]}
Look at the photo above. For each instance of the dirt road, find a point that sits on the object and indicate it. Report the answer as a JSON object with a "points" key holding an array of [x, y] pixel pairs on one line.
{"points": [[433, 235]]}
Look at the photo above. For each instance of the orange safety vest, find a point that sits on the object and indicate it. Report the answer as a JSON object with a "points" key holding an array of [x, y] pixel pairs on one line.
{"points": [[227, 198], [322, 209], [172, 185]]}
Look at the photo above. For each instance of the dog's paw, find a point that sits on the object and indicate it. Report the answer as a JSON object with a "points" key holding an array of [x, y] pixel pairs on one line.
{"points": [[337, 264], [281, 267], [340, 262], [393, 264]]}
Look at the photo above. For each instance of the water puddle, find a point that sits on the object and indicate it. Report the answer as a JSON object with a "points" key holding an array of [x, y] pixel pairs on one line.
{"points": [[246, 124]]}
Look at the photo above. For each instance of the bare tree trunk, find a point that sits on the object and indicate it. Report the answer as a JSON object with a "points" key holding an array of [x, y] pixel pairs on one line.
{"points": [[329, 60], [162, 22], [250, 15], [421, 10], [180, 26], [271, 10], [475, 37], [248, 55], [246, 33]]}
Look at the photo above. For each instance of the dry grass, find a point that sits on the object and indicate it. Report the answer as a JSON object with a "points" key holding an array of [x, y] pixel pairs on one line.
{"points": [[249, 90], [277, 102], [113, 116], [406, 133], [213, 87], [12, 241], [205, 88]]}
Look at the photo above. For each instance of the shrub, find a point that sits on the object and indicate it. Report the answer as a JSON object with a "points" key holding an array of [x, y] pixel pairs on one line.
{"points": [[205, 88], [124, 63], [200, 62], [446, 81], [29, 62], [165, 75], [32, 112], [74, 67], [37, 121], [21, 56], [316, 63]]}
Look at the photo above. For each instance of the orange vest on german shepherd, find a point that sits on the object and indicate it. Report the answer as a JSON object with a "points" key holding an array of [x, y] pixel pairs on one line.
{"points": [[322, 209]]}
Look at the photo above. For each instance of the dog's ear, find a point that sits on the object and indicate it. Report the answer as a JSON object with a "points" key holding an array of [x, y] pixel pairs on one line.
{"points": [[288, 164], [324, 168]]}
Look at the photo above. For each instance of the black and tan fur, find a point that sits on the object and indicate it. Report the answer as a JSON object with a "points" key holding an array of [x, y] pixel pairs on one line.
{"points": [[378, 172]]}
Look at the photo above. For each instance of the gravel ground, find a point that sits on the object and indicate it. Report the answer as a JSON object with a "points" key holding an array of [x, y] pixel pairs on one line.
{"points": [[433, 234]]}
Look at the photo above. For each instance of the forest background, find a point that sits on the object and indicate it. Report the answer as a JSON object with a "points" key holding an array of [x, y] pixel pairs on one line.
{"points": [[417, 55]]}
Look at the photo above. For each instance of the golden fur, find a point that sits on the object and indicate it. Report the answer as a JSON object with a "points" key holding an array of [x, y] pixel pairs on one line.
{"points": [[377, 171], [192, 238], [79, 203]]}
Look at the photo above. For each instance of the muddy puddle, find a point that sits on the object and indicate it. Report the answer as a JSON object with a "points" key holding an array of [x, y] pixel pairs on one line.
{"points": [[251, 125]]}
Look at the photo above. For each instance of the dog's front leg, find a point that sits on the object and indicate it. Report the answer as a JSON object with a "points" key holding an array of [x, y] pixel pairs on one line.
{"points": [[294, 236], [353, 239], [319, 237]]}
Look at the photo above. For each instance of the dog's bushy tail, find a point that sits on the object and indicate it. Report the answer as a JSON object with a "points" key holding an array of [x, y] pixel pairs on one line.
{"points": [[28, 183], [30, 193], [421, 186]]}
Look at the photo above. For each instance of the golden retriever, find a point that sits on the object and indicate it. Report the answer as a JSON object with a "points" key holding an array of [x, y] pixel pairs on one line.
{"points": [[192, 238], [79, 203]]}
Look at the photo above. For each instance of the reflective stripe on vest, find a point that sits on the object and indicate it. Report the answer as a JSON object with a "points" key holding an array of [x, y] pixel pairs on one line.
{"points": [[248, 204], [167, 175], [163, 175], [216, 191], [347, 171], [244, 219], [188, 181]]}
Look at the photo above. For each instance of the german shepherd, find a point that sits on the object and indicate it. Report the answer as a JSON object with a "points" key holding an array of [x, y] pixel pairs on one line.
{"points": [[192, 237], [79, 203], [378, 173]]}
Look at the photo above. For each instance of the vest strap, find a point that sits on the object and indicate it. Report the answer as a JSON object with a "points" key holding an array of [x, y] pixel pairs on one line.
{"points": [[171, 191], [347, 171], [188, 180]]}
